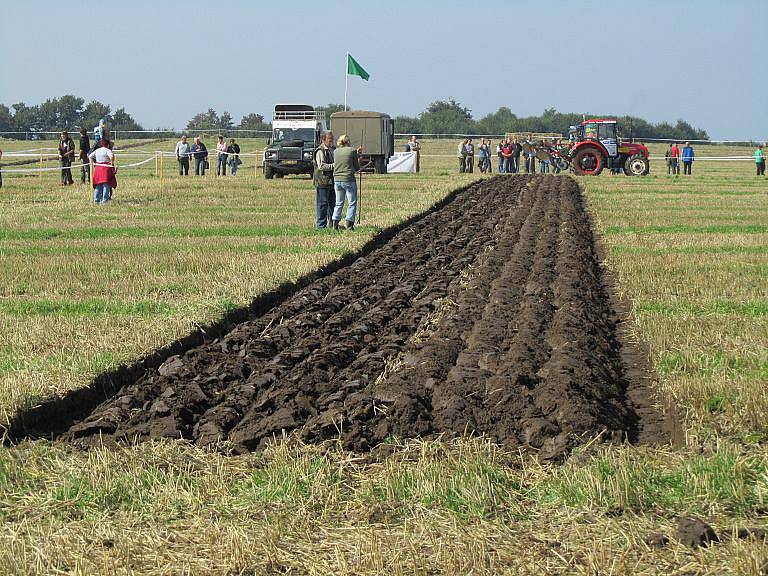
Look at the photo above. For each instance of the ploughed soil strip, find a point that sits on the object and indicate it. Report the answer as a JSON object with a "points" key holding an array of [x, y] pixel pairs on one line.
{"points": [[491, 315]]}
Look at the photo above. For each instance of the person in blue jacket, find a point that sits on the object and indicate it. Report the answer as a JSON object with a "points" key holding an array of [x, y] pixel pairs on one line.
{"points": [[687, 158]]}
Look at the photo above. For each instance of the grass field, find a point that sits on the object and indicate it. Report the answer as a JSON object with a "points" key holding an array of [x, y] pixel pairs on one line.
{"points": [[83, 289]]}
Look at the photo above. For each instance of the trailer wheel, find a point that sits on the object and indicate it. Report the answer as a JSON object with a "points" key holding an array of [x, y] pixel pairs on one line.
{"points": [[268, 172], [588, 161], [636, 165], [379, 166]]}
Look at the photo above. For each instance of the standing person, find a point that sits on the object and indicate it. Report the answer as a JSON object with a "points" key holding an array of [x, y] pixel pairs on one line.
{"points": [[414, 145], [322, 178], [461, 154], [543, 157], [346, 163], [482, 156], [233, 150], [687, 158], [507, 152], [668, 159], [517, 149], [183, 152], [103, 172], [500, 155], [675, 152], [221, 157], [469, 163], [66, 155], [760, 160], [200, 152], [85, 148], [529, 150]]}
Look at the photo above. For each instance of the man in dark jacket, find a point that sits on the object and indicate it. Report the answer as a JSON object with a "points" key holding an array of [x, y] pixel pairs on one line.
{"points": [[66, 155], [322, 178], [233, 151], [200, 153], [85, 149]]}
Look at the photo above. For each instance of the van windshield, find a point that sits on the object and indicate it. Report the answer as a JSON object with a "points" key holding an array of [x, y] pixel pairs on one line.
{"points": [[305, 134]]}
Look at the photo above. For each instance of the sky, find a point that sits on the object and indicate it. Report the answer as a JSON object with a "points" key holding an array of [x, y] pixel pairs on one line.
{"points": [[704, 61]]}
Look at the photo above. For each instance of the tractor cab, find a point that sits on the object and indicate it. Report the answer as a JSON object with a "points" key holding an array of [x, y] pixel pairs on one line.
{"points": [[603, 131]]}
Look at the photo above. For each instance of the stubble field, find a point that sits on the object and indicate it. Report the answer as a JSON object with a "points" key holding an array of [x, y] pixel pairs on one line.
{"points": [[84, 289]]}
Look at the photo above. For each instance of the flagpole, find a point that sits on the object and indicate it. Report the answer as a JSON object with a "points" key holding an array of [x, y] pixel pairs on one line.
{"points": [[346, 80]]}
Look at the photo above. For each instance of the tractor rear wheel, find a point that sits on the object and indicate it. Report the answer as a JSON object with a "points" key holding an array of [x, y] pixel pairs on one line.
{"points": [[588, 161], [636, 165]]}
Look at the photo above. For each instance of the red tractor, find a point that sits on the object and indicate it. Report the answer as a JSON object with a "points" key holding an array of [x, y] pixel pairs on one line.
{"points": [[595, 145]]}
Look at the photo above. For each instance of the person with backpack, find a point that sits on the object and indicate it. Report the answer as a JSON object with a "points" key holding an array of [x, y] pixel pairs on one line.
{"points": [[233, 151], [322, 178]]}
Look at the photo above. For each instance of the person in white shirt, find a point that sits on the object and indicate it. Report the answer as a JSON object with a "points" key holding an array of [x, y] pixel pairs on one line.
{"points": [[183, 152], [103, 172]]}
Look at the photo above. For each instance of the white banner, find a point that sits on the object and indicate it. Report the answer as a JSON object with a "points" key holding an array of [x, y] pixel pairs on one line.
{"points": [[402, 163]]}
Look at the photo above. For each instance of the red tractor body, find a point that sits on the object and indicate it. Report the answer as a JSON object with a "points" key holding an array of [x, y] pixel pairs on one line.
{"points": [[595, 146]]}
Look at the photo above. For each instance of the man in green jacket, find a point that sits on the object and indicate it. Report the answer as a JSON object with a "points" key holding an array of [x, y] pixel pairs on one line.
{"points": [[760, 161], [346, 163]]}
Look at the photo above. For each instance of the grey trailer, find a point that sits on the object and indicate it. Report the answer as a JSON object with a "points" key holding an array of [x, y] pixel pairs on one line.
{"points": [[373, 131]]}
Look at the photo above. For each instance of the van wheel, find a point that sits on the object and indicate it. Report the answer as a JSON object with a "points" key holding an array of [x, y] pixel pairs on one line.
{"points": [[268, 172]]}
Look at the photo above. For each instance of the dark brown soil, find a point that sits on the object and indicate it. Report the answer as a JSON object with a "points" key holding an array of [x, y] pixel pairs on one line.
{"points": [[491, 315]]}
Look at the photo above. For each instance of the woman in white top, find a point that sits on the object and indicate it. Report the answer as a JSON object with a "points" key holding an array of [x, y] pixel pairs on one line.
{"points": [[104, 179]]}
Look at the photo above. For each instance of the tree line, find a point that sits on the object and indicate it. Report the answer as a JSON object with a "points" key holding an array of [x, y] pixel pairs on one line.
{"points": [[450, 117], [441, 117], [66, 113]]}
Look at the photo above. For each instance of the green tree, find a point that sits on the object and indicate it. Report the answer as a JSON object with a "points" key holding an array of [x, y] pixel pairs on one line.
{"points": [[253, 121], [449, 117], [407, 125]]}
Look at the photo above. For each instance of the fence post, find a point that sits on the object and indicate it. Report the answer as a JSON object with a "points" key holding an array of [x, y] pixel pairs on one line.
{"points": [[256, 164], [41, 163]]}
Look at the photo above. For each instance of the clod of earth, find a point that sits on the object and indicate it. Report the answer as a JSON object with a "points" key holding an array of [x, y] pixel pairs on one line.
{"points": [[491, 315], [694, 533]]}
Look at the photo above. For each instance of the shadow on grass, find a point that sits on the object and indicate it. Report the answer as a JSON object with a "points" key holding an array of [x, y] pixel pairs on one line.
{"points": [[54, 416]]}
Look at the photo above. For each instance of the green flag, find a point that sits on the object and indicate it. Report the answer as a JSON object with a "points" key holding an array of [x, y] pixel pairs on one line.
{"points": [[355, 69]]}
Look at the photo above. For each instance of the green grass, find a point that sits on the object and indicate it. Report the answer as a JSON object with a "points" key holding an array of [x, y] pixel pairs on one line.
{"points": [[83, 290]]}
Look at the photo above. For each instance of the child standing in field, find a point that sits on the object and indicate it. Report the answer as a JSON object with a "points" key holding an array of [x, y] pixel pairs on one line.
{"points": [[760, 161]]}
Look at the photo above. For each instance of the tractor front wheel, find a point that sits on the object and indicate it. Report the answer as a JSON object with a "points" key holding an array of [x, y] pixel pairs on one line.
{"points": [[636, 165], [588, 162]]}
